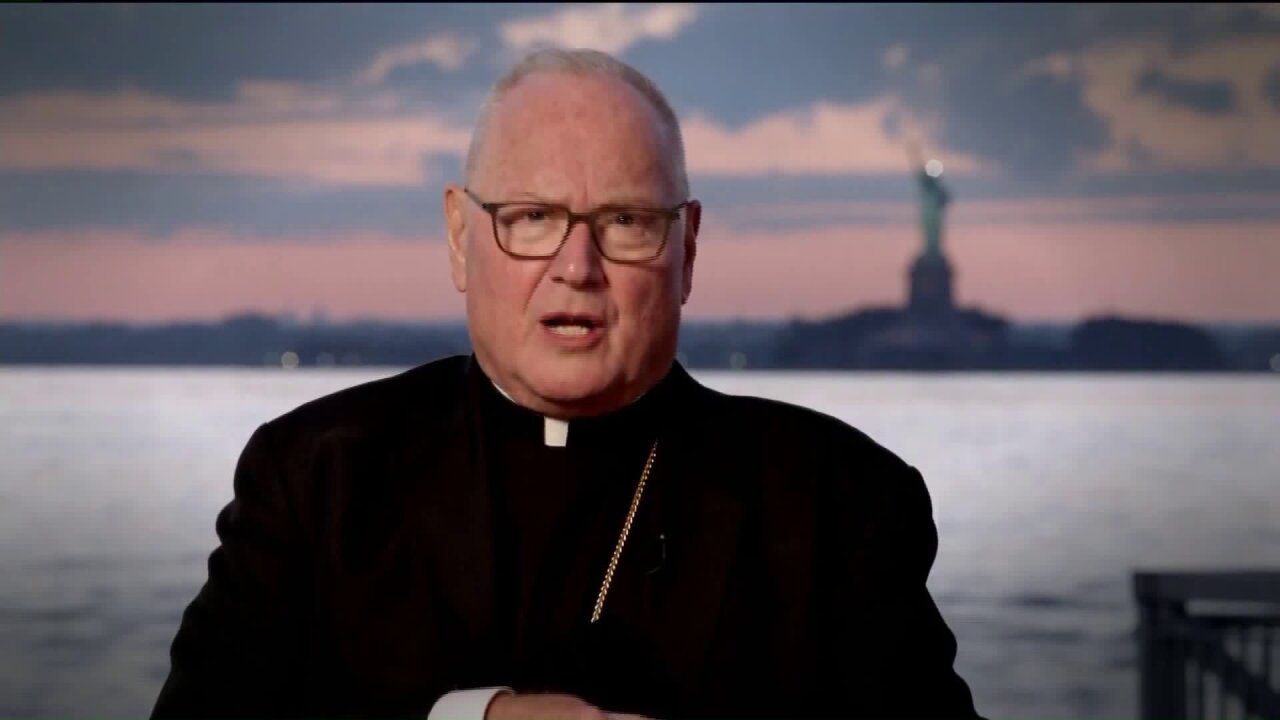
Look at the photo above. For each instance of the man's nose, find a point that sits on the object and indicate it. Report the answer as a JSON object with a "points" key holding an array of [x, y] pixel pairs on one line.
{"points": [[579, 263]]}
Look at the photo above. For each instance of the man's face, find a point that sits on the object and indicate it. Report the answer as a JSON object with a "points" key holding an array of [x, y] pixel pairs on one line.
{"points": [[581, 142]]}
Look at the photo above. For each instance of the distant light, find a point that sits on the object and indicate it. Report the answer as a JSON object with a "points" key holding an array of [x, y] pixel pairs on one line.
{"points": [[289, 360], [1275, 362], [737, 360], [933, 167]]}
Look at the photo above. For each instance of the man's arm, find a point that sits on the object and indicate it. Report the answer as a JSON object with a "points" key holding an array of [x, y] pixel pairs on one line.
{"points": [[237, 650], [904, 651]]}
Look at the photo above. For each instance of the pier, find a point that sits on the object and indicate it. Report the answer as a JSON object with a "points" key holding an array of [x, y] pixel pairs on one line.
{"points": [[1208, 644]]}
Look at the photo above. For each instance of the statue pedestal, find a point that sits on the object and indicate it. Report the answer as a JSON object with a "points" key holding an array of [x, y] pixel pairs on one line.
{"points": [[930, 278]]}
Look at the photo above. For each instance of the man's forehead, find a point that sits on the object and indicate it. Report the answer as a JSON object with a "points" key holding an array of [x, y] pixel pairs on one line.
{"points": [[551, 89], [557, 102], [548, 193], [548, 134], [648, 182]]}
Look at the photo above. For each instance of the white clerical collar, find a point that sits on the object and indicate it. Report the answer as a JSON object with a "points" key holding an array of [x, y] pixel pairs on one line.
{"points": [[555, 432]]}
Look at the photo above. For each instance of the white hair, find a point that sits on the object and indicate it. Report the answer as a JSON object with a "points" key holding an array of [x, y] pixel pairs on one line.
{"points": [[580, 62]]}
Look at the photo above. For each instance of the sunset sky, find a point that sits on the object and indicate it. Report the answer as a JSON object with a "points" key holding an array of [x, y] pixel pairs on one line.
{"points": [[191, 162]]}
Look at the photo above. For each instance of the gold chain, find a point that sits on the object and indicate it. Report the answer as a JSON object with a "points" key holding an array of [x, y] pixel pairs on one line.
{"points": [[622, 537]]}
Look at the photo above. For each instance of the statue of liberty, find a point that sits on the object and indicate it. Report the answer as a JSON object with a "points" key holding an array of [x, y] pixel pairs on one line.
{"points": [[930, 275], [933, 201]]}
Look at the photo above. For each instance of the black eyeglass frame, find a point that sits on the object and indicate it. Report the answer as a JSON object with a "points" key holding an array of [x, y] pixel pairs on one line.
{"points": [[671, 214]]}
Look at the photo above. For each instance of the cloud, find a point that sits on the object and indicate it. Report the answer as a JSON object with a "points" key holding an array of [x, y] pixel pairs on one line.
{"points": [[1210, 97], [269, 129], [334, 137], [1030, 125], [132, 107], [1060, 66], [1271, 87], [826, 139], [895, 56], [210, 272], [1030, 270], [1011, 80], [1207, 207], [1148, 133], [446, 51], [611, 27], [1268, 10]]}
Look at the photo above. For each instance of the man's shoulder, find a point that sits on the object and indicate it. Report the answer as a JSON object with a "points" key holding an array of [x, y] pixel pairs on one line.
{"points": [[422, 394], [801, 460], [795, 428]]}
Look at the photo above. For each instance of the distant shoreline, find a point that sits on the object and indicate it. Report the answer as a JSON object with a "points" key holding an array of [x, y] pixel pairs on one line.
{"points": [[305, 369], [846, 343]]}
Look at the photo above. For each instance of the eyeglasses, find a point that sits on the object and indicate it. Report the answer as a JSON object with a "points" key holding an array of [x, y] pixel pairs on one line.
{"points": [[622, 234]]}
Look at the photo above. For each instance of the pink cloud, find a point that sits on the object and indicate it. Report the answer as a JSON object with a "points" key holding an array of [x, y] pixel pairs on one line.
{"points": [[608, 27], [207, 273], [270, 129], [446, 51], [1025, 270], [824, 138], [1046, 210], [1166, 135]]}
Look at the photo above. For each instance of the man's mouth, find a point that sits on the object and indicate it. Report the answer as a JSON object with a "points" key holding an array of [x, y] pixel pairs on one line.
{"points": [[571, 324]]}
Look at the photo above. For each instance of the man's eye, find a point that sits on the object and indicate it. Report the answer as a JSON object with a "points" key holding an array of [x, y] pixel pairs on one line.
{"points": [[525, 216], [624, 218]]}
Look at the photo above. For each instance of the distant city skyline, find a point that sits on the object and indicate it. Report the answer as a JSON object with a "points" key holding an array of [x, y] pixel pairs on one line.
{"points": [[194, 162]]}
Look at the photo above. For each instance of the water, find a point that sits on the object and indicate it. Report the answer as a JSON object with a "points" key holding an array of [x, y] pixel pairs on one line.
{"points": [[1048, 492]]}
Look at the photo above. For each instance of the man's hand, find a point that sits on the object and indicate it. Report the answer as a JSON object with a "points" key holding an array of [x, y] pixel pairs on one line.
{"points": [[511, 706]]}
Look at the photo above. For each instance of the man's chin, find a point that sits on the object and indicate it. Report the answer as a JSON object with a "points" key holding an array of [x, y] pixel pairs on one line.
{"points": [[568, 390], [571, 388]]}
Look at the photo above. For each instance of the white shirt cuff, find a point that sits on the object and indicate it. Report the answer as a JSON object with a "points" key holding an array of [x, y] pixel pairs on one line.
{"points": [[469, 704]]}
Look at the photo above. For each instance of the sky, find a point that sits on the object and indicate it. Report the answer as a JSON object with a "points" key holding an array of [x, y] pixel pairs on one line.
{"points": [[179, 162]]}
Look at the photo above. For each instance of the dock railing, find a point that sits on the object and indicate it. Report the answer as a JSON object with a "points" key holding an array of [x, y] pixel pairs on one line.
{"points": [[1208, 644]]}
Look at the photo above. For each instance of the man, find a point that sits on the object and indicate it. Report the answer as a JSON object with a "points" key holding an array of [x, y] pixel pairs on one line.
{"points": [[565, 523]]}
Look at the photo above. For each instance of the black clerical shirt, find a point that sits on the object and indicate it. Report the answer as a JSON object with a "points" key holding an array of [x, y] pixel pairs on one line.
{"points": [[399, 541], [559, 512]]}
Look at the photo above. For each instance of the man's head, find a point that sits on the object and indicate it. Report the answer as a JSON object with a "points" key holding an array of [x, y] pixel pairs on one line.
{"points": [[576, 333]]}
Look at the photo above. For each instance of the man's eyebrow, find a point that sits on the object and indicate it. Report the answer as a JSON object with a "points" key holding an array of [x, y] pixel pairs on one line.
{"points": [[534, 197], [623, 200], [631, 201]]}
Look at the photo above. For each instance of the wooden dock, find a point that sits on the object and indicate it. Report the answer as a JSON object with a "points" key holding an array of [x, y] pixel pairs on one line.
{"points": [[1209, 644]]}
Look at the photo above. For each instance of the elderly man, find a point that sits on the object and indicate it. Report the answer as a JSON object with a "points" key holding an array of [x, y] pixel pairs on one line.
{"points": [[565, 524]]}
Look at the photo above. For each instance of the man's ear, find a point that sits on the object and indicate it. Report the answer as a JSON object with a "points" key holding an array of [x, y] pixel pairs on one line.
{"points": [[692, 223], [455, 217]]}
